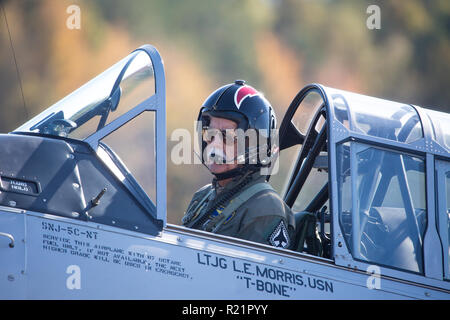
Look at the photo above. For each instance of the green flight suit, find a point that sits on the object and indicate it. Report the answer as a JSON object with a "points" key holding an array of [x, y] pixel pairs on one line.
{"points": [[263, 218]]}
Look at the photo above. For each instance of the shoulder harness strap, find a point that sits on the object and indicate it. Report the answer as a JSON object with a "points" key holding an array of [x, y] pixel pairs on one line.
{"points": [[192, 214], [214, 224]]}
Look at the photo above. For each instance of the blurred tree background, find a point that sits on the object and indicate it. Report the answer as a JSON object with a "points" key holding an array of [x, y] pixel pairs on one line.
{"points": [[278, 46]]}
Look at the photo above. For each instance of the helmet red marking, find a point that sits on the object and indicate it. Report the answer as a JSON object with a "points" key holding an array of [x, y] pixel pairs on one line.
{"points": [[242, 93]]}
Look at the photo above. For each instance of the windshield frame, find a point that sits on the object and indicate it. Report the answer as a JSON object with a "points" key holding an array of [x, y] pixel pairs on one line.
{"points": [[155, 103]]}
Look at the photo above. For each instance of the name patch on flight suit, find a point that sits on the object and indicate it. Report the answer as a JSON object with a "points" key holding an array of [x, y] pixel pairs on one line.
{"points": [[280, 236]]}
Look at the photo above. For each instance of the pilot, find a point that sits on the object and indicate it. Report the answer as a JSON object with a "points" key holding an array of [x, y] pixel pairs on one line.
{"points": [[237, 127]]}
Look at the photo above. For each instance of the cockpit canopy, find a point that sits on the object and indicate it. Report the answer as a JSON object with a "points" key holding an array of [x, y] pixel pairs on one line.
{"points": [[370, 116], [99, 102], [120, 114], [372, 162]]}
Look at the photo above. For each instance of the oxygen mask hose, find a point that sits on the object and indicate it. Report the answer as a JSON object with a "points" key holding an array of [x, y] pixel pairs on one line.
{"points": [[223, 199]]}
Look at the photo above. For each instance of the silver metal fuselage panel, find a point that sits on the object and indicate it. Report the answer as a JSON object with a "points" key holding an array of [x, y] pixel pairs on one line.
{"points": [[67, 259]]}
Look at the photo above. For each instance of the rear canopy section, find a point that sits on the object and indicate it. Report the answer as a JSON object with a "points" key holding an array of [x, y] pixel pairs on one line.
{"points": [[98, 154], [383, 169]]}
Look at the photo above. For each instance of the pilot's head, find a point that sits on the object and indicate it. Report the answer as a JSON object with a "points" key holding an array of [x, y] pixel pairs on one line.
{"points": [[237, 123]]}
